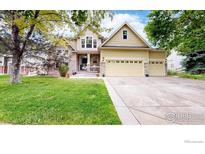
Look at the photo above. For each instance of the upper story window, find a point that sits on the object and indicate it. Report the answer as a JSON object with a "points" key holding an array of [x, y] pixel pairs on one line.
{"points": [[83, 43], [94, 43], [124, 34], [88, 42]]}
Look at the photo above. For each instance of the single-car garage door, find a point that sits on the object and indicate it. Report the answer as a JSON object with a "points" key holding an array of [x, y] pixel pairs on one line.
{"points": [[124, 68], [156, 68]]}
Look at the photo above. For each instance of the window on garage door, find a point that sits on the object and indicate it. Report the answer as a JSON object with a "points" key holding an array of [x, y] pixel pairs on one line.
{"points": [[126, 61]]}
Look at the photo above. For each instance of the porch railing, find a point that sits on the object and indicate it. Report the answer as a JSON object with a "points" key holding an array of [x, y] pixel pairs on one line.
{"points": [[94, 68]]}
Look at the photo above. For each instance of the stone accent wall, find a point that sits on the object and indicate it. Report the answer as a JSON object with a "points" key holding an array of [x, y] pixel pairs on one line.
{"points": [[73, 64], [166, 67], [102, 68], [146, 65]]}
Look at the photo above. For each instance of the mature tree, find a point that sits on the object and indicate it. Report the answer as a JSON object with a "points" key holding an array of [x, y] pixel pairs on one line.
{"points": [[20, 29], [180, 30], [195, 62]]}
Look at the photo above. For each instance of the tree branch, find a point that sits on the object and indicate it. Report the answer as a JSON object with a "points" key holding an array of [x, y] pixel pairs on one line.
{"points": [[5, 43], [30, 31]]}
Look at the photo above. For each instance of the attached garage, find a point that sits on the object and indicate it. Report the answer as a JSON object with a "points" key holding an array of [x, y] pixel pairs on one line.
{"points": [[156, 68], [126, 53], [124, 68]]}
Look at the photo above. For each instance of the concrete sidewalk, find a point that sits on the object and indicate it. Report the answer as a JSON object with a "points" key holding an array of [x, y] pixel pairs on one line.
{"points": [[125, 115]]}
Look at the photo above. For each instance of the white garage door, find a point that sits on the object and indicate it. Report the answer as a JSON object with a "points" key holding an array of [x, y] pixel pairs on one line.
{"points": [[124, 68]]}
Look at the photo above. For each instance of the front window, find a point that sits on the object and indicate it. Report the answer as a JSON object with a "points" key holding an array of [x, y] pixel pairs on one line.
{"points": [[83, 43], [94, 43], [124, 34], [88, 42]]}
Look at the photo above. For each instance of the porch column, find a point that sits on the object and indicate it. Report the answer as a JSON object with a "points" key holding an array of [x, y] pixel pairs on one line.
{"points": [[88, 62]]}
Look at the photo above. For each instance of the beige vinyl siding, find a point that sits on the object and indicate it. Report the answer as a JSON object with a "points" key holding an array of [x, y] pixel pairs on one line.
{"points": [[157, 55], [132, 40], [106, 54]]}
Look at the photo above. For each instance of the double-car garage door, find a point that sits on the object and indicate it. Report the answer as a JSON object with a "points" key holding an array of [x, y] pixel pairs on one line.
{"points": [[133, 68], [124, 68]]}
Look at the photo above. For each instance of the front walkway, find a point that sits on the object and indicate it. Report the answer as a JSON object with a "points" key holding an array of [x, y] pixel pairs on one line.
{"points": [[84, 74], [158, 100]]}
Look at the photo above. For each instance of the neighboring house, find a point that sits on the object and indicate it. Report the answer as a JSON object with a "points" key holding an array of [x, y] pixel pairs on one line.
{"points": [[124, 53], [25, 69], [174, 61], [5, 64]]}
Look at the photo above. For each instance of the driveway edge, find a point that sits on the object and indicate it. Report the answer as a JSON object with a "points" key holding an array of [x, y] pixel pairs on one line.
{"points": [[125, 115]]}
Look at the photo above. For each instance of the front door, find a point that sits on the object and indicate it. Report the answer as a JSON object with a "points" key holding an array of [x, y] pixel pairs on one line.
{"points": [[83, 62]]}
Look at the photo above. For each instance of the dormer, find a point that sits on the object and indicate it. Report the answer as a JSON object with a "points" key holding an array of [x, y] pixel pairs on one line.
{"points": [[88, 40]]}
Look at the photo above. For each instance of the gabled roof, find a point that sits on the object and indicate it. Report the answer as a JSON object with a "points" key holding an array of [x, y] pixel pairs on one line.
{"points": [[125, 24], [91, 29]]}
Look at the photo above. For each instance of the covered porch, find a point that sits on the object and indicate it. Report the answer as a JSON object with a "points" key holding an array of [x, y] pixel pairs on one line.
{"points": [[88, 62]]}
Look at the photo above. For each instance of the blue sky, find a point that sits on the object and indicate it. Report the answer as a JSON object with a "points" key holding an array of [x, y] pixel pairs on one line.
{"points": [[140, 13], [137, 19]]}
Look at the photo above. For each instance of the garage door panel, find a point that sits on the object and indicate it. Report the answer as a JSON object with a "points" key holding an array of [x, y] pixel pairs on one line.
{"points": [[156, 68], [124, 68]]}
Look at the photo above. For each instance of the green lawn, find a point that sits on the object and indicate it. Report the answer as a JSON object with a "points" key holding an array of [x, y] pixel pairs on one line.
{"points": [[192, 76], [48, 100], [187, 75]]}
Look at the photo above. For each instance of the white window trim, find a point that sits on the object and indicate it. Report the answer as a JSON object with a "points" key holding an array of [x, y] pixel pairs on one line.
{"points": [[84, 42], [123, 34], [85, 38], [96, 43]]}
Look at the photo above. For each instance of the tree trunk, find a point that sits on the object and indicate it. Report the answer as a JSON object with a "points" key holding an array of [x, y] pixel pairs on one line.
{"points": [[15, 73]]}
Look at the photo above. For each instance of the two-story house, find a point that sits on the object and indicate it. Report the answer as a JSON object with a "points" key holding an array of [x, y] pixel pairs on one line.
{"points": [[124, 53]]}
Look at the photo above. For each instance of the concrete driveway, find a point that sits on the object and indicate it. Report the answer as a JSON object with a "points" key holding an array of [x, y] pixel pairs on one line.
{"points": [[158, 100]]}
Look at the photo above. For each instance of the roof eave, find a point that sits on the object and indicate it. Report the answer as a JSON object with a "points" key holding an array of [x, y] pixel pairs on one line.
{"points": [[127, 48]]}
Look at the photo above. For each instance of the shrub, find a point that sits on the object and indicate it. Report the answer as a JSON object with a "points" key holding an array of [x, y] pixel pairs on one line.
{"points": [[63, 70], [170, 72], [194, 63]]}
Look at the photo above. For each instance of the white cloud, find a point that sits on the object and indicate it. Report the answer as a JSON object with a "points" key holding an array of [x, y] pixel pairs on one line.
{"points": [[119, 19]]}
